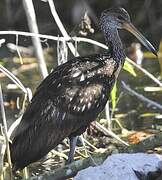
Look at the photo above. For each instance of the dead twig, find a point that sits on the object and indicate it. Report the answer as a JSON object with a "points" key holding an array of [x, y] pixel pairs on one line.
{"points": [[17, 49], [2, 151], [141, 97], [108, 132], [13, 126], [145, 72], [24, 50], [55, 38], [5, 132], [27, 91], [61, 27], [2, 41], [13, 78], [31, 17]]}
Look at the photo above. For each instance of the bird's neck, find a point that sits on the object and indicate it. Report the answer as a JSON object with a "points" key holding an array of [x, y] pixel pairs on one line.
{"points": [[115, 45]]}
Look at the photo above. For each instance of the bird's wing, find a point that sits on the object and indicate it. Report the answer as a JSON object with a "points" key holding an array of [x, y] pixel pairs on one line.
{"points": [[63, 104], [71, 72], [67, 81]]}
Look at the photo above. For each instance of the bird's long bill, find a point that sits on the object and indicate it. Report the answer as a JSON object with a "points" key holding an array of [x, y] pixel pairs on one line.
{"points": [[144, 41]]}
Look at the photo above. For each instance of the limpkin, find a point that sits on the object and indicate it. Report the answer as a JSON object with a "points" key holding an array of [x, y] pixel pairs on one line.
{"points": [[73, 95]]}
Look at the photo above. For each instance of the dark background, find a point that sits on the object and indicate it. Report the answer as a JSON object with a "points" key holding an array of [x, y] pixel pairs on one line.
{"points": [[146, 15]]}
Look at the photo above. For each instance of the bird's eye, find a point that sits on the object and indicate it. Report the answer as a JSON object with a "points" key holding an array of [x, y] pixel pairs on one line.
{"points": [[120, 17]]}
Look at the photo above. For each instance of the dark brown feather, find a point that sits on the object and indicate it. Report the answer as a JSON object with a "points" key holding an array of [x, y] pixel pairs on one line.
{"points": [[63, 105]]}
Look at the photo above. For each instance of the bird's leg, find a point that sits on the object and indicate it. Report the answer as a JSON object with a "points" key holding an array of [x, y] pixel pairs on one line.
{"points": [[73, 141]]}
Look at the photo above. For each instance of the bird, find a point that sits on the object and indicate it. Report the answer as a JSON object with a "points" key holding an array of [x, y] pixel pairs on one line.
{"points": [[72, 95]]}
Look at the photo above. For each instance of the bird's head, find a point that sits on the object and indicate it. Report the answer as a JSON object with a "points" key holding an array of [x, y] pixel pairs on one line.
{"points": [[118, 18]]}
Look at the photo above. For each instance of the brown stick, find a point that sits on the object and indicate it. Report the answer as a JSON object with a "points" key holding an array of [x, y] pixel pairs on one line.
{"points": [[31, 17]]}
